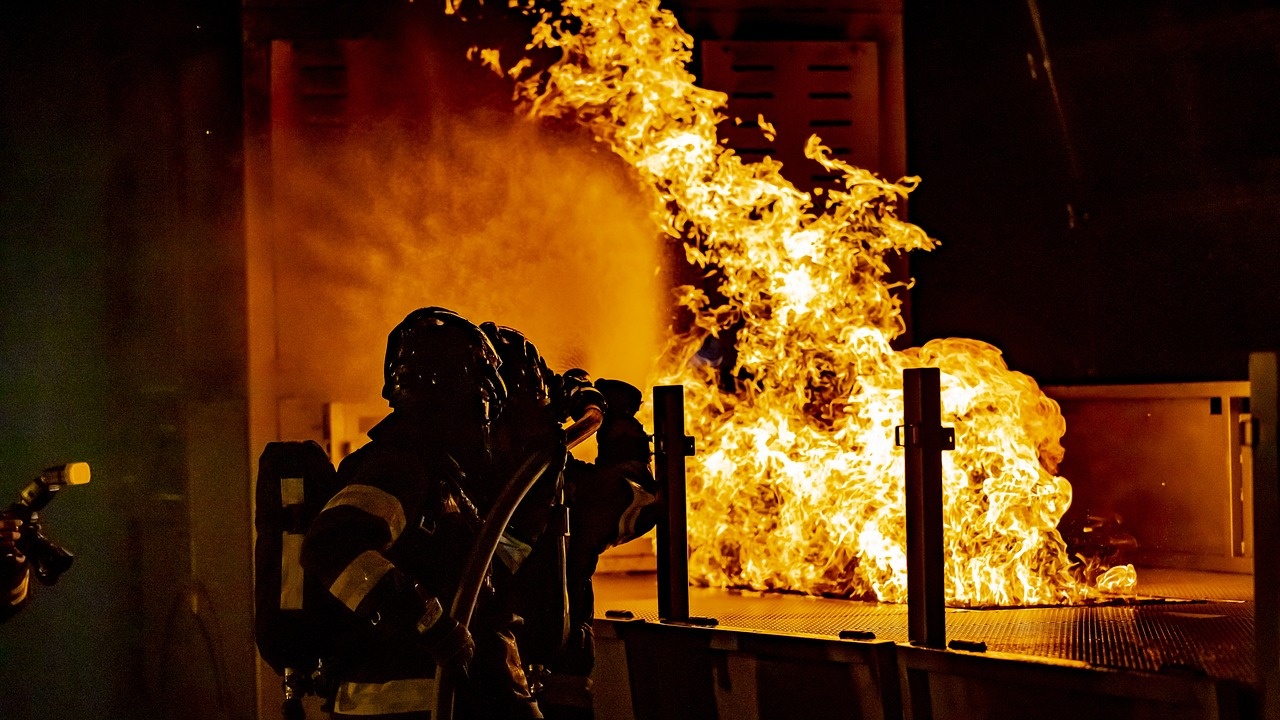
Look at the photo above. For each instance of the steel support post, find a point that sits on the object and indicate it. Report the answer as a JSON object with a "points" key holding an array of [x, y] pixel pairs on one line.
{"points": [[923, 439], [670, 447], [1264, 400]]}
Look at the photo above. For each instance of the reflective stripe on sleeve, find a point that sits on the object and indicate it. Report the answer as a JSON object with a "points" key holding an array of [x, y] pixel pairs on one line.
{"points": [[359, 577], [640, 499], [396, 696], [512, 552], [374, 501], [19, 592]]}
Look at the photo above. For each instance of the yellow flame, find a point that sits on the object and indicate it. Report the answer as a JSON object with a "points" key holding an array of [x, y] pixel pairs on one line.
{"points": [[766, 128], [490, 58], [799, 485]]}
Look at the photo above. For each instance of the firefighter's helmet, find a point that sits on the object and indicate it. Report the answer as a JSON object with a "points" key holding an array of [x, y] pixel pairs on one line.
{"points": [[524, 370], [440, 362]]}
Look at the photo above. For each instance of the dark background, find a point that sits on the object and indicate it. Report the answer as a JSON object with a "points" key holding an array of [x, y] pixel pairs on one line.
{"points": [[122, 333], [1167, 151], [122, 344]]}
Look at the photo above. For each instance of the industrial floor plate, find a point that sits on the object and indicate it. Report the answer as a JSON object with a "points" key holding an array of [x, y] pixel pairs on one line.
{"points": [[1212, 634]]}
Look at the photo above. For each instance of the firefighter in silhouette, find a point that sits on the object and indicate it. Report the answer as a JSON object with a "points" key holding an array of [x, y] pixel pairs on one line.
{"points": [[542, 572], [613, 500], [25, 551], [15, 574], [392, 543]]}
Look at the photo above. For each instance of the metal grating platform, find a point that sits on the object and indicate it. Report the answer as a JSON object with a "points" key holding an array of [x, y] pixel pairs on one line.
{"points": [[1212, 634]]}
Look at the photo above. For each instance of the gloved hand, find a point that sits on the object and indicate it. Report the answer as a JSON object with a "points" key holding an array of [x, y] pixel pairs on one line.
{"points": [[576, 393], [621, 437], [12, 561], [624, 398], [453, 648], [448, 641]]}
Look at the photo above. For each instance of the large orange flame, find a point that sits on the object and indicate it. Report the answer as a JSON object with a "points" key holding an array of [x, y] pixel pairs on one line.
{"points": [[799, 483]]}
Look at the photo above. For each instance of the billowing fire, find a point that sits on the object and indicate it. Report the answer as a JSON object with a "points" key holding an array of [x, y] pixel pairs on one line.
{"points": [[798, 485]]}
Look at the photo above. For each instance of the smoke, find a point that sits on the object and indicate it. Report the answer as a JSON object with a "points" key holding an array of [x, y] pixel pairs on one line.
{"points": [[485, 213], [453, 203]]}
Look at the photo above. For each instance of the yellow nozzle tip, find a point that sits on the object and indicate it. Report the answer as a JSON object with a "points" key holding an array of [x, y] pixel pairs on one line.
{"points": [[77, 473]]}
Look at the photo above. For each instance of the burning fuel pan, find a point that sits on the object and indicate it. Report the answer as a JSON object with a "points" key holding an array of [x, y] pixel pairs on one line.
{"points": [[1183, 651], [1183, 647], [1196, 622]]}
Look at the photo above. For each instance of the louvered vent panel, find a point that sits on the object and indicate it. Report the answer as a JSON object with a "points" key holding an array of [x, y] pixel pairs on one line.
{"points": [[803, 88], [322, 83]]}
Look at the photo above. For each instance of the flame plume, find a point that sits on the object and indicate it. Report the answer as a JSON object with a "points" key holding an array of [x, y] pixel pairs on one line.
{"points": [[799, 485]]}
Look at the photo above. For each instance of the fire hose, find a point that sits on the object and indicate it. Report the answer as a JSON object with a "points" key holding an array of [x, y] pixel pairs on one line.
{"points": [[495, 523]]}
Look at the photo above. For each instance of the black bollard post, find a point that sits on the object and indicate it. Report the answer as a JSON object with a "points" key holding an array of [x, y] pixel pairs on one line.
{"points": [[670, 447], [923, 439]]}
